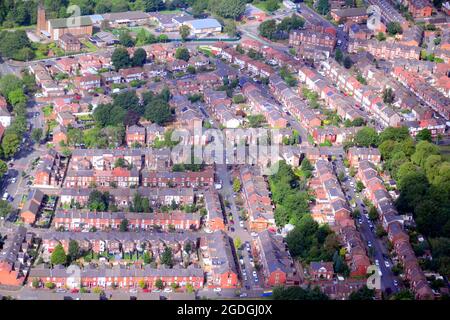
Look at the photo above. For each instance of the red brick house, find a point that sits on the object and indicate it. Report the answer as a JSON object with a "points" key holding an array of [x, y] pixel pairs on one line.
{"points": [[135, 134]]}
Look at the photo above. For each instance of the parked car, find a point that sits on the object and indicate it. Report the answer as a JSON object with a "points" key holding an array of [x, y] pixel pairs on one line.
{"points": [[377, 262], [217, 290], [386, 263]]}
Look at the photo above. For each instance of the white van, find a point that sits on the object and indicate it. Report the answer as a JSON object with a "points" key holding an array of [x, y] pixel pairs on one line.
{"points": [[5, 196]]}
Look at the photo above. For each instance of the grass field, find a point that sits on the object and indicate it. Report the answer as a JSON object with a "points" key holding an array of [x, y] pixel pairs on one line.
{"points": [[170, 11]]}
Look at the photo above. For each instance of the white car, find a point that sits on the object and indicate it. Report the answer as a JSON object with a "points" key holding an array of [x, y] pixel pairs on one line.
{"points": [[254, 234], [396, 283], [255, 274], [13, 180], [217, 290], [387, 264], [168, 290], [377, 262], [241, 224], [243, 295]]}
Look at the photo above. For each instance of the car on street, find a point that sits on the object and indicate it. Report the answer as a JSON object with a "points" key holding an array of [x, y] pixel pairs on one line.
{"points": [[254, 274], [369, 243], [396, 283], [60, 290], [377, 262], [386, 263], [243, 295], [232, 229], [217, 290], [241, 224], [254, 234], [168, 290]]}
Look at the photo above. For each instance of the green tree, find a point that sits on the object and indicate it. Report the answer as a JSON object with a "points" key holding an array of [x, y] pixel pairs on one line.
{"points": [[366, 137], [388, 95], [230, 28], [5, 208], [17, 96], [3, 168], [182, 53], [185, 31], [142, 284], [10, 143], [124, 225], [394, 28], [298, 293], [272, 5], [158, 111], [120, 58], [237, 243], [268, 29], [159, 284], [74, 250], [98, 201], [363, 293], [231, 9], [126, 40], [167, 257], [236, 184], [424, 134], [373, 213], [323, 7], [423, 150], [36, 283], [348, 62], [403, 294], [139, 58], [338, 55], [58, 255], [36, 134]]}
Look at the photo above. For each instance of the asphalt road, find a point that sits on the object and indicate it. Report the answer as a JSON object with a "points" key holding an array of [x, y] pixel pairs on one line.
{"points": [[378, 248]]}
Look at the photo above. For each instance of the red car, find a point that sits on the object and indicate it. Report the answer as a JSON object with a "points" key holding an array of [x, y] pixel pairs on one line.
{"points": [[75, 290]]}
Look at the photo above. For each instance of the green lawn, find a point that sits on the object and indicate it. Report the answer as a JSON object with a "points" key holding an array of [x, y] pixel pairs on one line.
{"points": [[90, 46], [260, 5], [170, 11]]}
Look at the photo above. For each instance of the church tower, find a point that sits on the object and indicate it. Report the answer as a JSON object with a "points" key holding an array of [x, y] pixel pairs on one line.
{"points": [[41, 23]]}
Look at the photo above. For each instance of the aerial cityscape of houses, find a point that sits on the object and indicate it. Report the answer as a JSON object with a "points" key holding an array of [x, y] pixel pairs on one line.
{"points": [[135, 149]]}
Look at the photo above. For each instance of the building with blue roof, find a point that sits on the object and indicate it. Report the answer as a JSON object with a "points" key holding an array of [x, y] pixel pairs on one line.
{"points": [[204, 27]]}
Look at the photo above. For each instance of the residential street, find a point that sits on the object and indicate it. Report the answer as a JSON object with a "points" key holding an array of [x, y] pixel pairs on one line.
{"points": [[368, 233]]}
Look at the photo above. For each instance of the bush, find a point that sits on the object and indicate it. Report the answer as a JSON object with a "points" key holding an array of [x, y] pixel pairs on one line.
{"points": [[50, 285]]}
